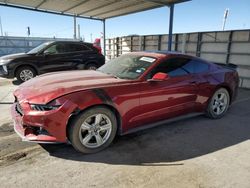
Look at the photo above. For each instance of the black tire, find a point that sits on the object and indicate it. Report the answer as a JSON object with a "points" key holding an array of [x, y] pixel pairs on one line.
{"points": [[91, 66], [215, 109], [76, 134], [20, 73]]}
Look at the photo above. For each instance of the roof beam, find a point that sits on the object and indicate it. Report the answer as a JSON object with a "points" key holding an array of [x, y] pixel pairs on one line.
{"points": [[120, 8], [96, 8], [45, 11], [136, 11], [40, 4], [81, 3], [157, 2]]}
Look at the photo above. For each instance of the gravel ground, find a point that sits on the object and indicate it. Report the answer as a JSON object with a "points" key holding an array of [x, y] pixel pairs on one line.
{"points": [[196, 152]]}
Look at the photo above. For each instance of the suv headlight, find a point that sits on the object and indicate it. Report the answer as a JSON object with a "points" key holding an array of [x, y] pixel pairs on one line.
{"points": [[5, 68], [4, 61]]}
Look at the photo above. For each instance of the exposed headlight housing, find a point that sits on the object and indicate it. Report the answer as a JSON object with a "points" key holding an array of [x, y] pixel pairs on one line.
{"points": [[53, 105], [41, 107]]}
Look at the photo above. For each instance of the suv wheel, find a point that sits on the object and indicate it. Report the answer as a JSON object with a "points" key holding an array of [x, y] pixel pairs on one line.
{"points": [[91, 66], [25, 73]]}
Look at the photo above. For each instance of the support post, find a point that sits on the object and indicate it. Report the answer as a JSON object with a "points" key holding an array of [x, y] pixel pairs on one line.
{"points": [[79, 32], [229, 46], [74, 27], [159, 42], [170, 33], [104, 37], [199, 43]]}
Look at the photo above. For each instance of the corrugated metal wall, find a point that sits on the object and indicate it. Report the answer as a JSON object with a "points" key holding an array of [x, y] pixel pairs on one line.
{"points": [[220, 46]]}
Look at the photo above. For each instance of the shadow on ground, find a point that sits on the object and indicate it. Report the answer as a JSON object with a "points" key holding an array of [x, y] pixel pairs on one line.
{"points": [[16, 82], [174, 142]]}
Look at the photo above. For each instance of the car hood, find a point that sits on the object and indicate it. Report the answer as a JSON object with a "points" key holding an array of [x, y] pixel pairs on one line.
{"points": [[14, 56], [44, 88]]}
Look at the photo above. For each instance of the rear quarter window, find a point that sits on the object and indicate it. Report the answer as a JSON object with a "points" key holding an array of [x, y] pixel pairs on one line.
{"points": [[196, 66]]}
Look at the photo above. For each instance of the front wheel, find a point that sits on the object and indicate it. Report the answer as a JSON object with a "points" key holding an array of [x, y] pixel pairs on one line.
{"points": [[25, 73], [218, 104], [93, 130]]}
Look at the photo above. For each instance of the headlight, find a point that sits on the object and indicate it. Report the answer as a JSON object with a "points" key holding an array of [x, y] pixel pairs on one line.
{"points": [[41, 107], [4, 61], [53, 105], [5, 68]]}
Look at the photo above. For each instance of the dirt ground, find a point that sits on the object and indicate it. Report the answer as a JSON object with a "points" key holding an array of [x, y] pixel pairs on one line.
{"points": [[195, 152]]}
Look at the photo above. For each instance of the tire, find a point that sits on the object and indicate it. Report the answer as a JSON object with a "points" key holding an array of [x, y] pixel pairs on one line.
{"points": [[91, 66], [25, 73], [218, 104], [93, 130]]}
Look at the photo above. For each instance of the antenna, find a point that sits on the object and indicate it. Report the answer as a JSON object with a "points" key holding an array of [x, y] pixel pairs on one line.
{"points": [[225, 18]]}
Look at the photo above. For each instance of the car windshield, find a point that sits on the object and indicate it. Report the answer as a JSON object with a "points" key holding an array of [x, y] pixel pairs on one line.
{"points": [[129, 66], [38, 48]]}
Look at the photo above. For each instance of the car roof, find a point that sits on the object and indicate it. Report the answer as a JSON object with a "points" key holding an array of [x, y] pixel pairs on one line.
{"points": [[69, 41], [162, 54]]}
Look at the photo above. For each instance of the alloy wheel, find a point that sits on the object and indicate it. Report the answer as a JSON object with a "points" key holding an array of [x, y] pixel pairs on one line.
{"points": [[95, 130], [26, 74], [220, 103]]}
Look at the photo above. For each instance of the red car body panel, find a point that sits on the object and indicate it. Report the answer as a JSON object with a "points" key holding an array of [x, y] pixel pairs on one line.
{"points": [[136, 102]]}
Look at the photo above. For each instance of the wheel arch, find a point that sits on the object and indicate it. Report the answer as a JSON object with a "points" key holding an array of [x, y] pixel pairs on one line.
{"points": [[25, 65], [227, 87], [79, 111]]}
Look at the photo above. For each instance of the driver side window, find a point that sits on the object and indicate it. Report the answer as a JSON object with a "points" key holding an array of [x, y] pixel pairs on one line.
{"points": [[51, 50], [56, 49], [173, 67]]}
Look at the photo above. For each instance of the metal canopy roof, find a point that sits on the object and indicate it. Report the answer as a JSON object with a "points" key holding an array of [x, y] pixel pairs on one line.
{"points": [[92, 9]]}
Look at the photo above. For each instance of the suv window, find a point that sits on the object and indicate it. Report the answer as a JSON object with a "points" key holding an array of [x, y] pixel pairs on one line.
{"points": [[66, 48], [77, 47], [56, 49]]}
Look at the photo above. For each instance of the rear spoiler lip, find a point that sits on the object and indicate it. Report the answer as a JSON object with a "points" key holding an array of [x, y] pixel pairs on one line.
{"points": [[229, 65]]}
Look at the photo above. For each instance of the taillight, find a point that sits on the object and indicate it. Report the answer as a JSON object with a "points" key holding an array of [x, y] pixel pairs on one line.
{"points": [[99, 49]]}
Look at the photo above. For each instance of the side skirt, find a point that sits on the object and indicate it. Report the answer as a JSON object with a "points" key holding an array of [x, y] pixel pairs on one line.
{"points": [[167, 121]]}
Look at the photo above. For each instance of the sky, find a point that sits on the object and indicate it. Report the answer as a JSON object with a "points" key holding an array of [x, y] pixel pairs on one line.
{"points": [[194, 16]]}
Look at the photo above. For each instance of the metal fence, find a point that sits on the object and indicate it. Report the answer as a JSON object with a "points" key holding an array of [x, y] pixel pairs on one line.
{"points": [[220, 46]]}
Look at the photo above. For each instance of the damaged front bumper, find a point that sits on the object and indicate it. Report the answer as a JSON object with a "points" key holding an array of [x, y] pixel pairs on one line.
{"points": [[41, 127]]}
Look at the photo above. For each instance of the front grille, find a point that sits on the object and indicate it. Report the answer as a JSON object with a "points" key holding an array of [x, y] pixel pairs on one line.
{"points": [[19, 108]]}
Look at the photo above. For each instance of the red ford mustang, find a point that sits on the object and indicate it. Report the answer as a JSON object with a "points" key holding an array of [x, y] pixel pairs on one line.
{"points": [[134, 91]]}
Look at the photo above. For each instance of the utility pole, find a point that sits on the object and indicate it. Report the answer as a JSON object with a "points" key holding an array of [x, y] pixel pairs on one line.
{"points": [[79, 32], [225, 18], [1, 26], [28, 31], [91, 39], [74, 27]]}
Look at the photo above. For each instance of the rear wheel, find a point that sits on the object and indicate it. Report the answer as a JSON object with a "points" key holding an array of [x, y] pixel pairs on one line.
{"points": [[25, 73], [218, 104], [91, 66], [93, 130]]}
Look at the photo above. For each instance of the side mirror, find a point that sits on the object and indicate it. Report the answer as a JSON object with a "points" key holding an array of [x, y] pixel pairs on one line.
{"points": [[159, 77]]}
